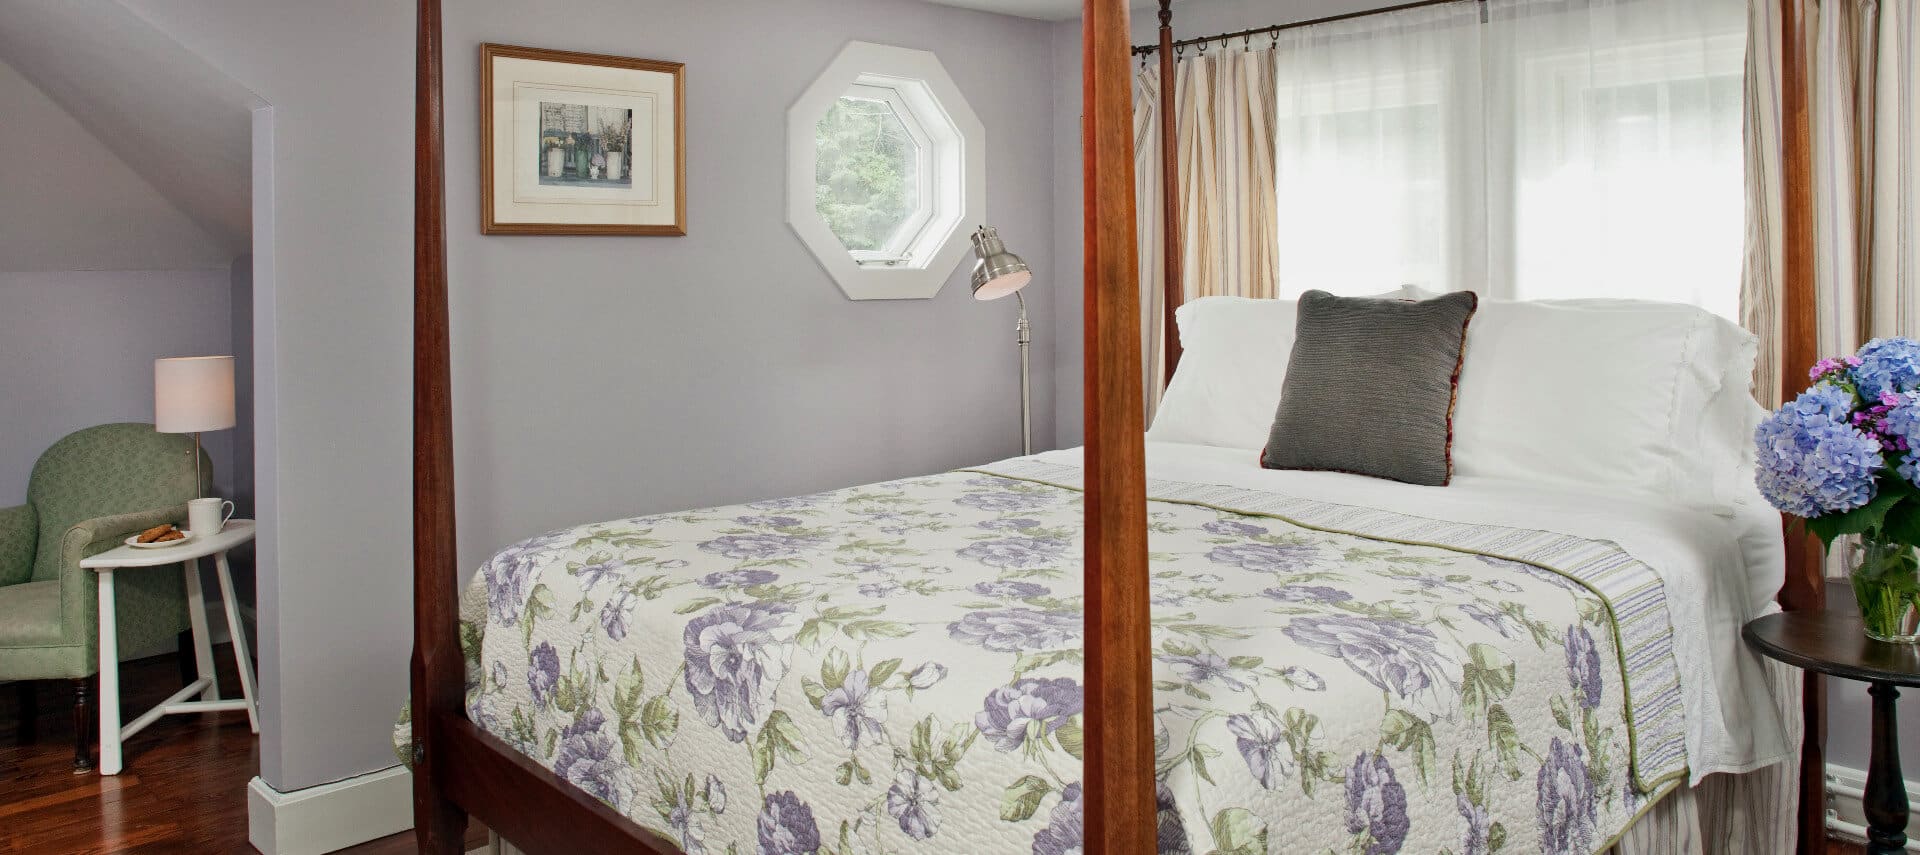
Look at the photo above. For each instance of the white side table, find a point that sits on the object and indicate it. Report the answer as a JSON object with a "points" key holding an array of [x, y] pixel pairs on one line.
{"points": [[123, 558]]}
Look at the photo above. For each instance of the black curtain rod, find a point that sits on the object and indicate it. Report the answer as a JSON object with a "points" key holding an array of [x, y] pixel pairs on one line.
{"points": [[1143, 50]]}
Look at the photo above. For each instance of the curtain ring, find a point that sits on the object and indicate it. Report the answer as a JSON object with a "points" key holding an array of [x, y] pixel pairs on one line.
{"points": [[1179, 51], [1276, 38], [1246, 41]]}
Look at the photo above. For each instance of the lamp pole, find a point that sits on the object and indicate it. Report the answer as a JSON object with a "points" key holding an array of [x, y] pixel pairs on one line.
{"points": [[1024, 333]]}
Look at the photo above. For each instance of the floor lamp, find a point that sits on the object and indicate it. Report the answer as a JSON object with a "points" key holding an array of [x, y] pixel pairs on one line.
{"points": [[997, 274]]}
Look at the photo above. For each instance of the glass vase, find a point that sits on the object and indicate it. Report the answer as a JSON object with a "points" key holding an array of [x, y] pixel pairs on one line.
{"points": [[1886, 584]]}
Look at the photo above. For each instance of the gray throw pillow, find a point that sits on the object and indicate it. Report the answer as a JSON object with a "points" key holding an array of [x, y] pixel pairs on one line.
{"points": [[1370, 387]]}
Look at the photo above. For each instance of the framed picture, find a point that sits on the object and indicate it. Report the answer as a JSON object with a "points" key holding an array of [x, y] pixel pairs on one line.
{"points": [[581, 144]]}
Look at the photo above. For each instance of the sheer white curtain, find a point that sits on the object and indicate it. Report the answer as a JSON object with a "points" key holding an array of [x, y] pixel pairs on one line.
{"points": [[1557, 148], [1378, 144], [1615, 159]]}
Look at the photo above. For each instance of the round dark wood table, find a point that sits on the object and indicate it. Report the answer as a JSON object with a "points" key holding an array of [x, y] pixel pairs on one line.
{"points": [[1833, 643]]}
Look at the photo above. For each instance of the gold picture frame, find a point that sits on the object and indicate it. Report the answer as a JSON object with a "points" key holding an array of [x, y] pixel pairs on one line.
{"points": [[581, 143]]}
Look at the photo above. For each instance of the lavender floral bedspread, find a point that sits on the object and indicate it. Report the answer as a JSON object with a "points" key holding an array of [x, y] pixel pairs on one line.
{"points": [[897, 668]]}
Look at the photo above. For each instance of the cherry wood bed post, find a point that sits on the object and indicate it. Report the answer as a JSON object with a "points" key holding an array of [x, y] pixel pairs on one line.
{"points": [[438, 672], [1119, 782], [1171, 247], [1805, 587]]}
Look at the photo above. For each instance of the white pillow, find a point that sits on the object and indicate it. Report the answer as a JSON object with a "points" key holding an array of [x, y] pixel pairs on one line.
{"points": [[1617, 393], [1232, 368]]}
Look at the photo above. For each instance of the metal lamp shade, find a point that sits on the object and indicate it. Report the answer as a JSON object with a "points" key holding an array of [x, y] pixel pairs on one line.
{"points": [[998, 272]]}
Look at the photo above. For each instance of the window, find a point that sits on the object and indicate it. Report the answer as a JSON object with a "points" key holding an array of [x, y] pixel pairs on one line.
{"points": [[885, 168], [871, 178], [1541, 154]]}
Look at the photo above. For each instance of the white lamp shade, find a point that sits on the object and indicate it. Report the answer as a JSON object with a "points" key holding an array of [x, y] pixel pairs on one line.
{"points": [[192, 394]]}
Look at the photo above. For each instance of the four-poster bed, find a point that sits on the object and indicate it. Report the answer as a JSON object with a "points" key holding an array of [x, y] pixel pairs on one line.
{"points": [[462, 770]]}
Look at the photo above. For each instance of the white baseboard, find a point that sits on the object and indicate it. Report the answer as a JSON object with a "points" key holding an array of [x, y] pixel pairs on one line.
{"points": [[1846, 819], [329, 817]]}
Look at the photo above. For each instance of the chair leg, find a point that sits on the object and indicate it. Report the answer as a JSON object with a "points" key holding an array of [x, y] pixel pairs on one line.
{"points": [[184, 656], [28, 703], [83, 726]]}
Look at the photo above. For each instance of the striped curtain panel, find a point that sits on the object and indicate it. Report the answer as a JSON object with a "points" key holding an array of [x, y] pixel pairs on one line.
{"points": [[1224, 99], [1865, 65], [1866, 148], [1761, 286], [1224, 107], [1149, 211], [1866, 151]]}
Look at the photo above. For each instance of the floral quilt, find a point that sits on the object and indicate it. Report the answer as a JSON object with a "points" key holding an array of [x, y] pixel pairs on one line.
{"points": [[898, 668]]}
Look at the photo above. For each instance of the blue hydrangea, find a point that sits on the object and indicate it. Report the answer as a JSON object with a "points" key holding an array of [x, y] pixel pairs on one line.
{"points": [[1903, 423], [1888, 365], [1824, 400], [1812, 465]]}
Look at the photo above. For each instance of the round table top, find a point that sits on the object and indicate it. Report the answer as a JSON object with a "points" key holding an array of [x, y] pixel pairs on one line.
{"points": [[1833, 642]]}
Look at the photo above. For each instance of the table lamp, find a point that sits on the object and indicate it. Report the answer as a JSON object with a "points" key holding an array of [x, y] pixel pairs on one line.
{"points": [[997, 274], [193, 394]]}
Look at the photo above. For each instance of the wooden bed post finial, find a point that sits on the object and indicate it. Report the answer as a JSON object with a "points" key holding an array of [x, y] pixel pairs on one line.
{"points": [[1118, 785], [438, 672], [1174, 290]]}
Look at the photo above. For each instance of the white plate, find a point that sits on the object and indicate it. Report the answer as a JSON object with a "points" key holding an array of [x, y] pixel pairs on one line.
{"points": [[134, 542]]}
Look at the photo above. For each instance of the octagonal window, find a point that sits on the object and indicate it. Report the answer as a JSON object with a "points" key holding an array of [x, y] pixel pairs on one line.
{"points": [[885, 172], [872, 181]]}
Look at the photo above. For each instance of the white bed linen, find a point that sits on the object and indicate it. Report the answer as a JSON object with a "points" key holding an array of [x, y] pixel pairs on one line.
{"points": [[1719, 572]]}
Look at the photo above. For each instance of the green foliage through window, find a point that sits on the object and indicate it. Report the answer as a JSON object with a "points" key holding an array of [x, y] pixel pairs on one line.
{"points": [[866, 177]]}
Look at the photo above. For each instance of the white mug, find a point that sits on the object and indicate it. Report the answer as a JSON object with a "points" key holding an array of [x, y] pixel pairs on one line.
{"points": [[206, 517]]}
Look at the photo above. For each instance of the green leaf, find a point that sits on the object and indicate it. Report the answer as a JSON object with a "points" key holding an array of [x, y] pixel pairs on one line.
{"points": [[1072, 738], [695, 605], [1486, 678], [816, 693], [1902, 524], [1496, 837], [809, 634], [778, 738], [1504, 738], [659, 721], [1236, 831], [862, 630], [833, 668], [1863, 519], [1410, 733], [1560, 715], [922, 743], [879, 673], [1022, 798]]}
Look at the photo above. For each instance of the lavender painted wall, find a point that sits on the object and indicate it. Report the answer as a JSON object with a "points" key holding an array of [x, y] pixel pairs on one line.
{"points": [[594, 377]]}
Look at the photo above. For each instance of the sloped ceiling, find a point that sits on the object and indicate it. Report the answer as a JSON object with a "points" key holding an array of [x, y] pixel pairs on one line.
{"points": [[165, 113], [68, 203]]}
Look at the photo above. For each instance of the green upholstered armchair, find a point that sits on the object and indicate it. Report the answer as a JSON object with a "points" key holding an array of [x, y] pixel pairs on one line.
{"points": [[88, 493]]}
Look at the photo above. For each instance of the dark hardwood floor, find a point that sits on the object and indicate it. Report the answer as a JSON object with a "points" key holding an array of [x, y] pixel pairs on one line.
{"points": [[184, 788]]}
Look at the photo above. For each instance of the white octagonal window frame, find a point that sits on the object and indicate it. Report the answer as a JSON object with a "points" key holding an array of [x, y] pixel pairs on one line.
{"points": [[958, 171]]}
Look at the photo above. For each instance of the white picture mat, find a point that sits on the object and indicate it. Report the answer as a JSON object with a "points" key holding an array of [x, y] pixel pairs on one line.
{"points": [[517, 194]]}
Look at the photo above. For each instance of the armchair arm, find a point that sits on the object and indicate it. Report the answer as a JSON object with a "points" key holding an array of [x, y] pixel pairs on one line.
{"points": [[19, 534], [92, 537]]}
